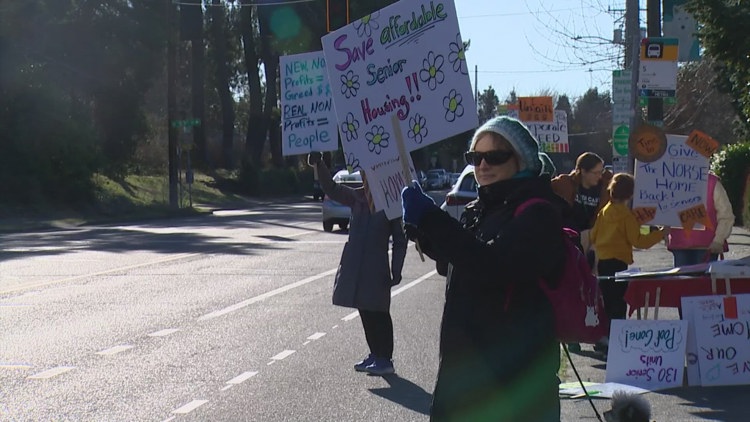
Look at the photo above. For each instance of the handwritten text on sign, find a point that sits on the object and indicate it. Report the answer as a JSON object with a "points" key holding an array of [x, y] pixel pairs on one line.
{"points": [[646, 354], [307, 115], [674, 184], [723, 343], [405, 60], [552, 136]]}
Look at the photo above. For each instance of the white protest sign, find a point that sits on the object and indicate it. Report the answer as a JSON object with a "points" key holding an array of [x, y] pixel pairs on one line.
{"points": [[405, 60], [722, 332], [673, 188], [689, 304], [647, 354], [308, 118], [552, 136]]}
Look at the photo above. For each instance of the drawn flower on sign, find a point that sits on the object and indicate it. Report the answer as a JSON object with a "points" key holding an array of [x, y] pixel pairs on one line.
{"points": [[431, 70], [457, 56], [352, 163], [453, 107], [367, 25], [377, 139], [349, 84], [349, 127], [417, 128]]}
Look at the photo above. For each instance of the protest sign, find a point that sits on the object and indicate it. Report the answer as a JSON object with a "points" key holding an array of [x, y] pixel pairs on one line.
{"points": [[308, 119], [722, 335], [672, 189], [647, 354], [405, 60], [552, 136]]}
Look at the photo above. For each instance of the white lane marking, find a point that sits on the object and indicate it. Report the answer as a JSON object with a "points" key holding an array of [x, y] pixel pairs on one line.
{"points": [[283, 355], [239, 379], [51, 373], [316, 336], [115, 350], [164, 332], [413, 283], [10, 365], [244, 303], [185, 409], [89, 275], [401, 289], [351, 316]]}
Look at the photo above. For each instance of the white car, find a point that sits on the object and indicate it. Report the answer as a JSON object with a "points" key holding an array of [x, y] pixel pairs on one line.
{"points": [[335, 212], [463, 192]]}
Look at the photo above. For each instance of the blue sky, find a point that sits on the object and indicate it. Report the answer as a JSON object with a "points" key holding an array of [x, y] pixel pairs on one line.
{"points": [[530, 45]]}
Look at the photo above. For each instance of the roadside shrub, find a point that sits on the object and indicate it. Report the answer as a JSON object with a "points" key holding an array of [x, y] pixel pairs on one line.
{"points": [[732, 165]]}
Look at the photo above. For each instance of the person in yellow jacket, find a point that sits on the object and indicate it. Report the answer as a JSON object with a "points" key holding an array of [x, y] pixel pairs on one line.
{"points": [[614, 235]]}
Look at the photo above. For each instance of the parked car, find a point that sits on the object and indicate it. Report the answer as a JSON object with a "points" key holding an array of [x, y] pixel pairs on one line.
{"points": [[335, 212], [463, 192], [437, 179], [422, 178], [454, 178]]}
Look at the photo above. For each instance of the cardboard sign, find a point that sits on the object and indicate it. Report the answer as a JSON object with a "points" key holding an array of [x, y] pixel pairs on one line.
{"points": [[407, 60], [644, 214], [308, 119], [723, 344], [648, 143], [536, 109], [647, 354], [676, 185], [702, 143], [552, 137]]}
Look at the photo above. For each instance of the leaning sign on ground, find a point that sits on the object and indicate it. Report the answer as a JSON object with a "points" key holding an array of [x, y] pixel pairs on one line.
{"points": [[399, 74], [647, 354], [722, 339], [671, 188], [307, 116]]}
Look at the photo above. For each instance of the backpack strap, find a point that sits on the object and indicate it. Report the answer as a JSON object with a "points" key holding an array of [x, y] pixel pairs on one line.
{"points": [[527, 203]]}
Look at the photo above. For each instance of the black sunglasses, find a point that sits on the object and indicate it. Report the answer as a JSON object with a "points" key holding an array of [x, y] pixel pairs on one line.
{"points": [[493, 158]]}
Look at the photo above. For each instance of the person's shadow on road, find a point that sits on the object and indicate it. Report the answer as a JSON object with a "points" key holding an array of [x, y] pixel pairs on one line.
{"points": [[405, 393]]}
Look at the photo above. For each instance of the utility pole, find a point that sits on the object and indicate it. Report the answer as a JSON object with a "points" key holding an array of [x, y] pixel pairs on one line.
{"points": [[171, 105], [632, 62], [655, 114]]}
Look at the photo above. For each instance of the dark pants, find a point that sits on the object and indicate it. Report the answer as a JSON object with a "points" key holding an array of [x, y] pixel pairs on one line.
{"points": [[683, 257], [378, 332], [613, 292]]}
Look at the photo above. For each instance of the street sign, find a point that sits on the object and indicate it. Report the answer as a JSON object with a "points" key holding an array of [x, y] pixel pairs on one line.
{"points": [[620, 137], [186, 123], [657, 77]]}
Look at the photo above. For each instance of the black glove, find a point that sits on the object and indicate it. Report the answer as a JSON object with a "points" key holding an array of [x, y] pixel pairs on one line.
{"points": [[396, 280], [314, 158]]}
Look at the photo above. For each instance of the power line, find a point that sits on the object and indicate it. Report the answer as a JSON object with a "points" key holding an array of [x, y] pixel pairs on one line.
{"points": [[491, 15]]}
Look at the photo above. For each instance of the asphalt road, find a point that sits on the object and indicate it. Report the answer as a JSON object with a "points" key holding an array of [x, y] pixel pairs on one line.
{"points": [[228, 318]]}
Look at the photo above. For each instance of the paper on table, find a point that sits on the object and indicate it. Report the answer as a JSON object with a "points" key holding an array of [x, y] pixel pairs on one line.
{"points": [[731, 267], [604, 390]]}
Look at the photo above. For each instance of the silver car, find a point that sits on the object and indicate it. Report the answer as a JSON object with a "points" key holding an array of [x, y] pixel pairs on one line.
{"points": [[463, 192], [335, 212]]}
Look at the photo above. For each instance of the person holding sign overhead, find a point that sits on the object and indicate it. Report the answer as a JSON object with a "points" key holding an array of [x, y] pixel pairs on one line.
{"points": [[613, 237], [364, 277], [498, 352], [705, 245]]}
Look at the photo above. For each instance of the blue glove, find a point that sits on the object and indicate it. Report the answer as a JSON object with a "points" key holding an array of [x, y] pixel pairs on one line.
{"points": [[415, 203]]}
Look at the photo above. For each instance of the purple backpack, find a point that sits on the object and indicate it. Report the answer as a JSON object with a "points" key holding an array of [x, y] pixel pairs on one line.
{"points": [[577, 300]]}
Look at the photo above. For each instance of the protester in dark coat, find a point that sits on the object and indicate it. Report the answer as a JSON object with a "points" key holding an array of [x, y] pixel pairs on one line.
{"points": [[365, 277], [498, 353]]}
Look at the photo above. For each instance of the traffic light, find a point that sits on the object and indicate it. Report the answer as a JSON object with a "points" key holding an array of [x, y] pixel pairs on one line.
{"points": [[337, 14]]}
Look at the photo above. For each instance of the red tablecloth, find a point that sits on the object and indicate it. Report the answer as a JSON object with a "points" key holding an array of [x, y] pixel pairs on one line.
{"points": [[674, 288]]}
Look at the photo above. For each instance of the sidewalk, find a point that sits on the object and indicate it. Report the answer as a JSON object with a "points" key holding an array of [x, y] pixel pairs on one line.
{"points": [[679, 404]]}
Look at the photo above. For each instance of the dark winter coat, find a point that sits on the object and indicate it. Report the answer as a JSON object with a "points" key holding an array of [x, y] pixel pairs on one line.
{"points": [[498, 353], [364, 277]]}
